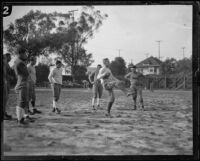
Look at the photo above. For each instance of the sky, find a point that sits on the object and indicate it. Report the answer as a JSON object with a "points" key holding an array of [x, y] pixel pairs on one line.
{"points": [[132, 31]]}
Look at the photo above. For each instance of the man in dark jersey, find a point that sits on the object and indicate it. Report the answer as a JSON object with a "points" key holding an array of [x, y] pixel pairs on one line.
{"points": [[97, 87], [136, 87], [22, 86]]}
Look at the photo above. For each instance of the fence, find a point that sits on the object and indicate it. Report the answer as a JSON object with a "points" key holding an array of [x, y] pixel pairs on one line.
{"points": [[169, 82]]}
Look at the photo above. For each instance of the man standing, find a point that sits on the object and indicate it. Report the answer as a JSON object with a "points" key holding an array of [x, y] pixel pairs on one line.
{"points": [[55, 78], [21, 87], [32, 81], [136, 85], [97, 87], [7, 74]]}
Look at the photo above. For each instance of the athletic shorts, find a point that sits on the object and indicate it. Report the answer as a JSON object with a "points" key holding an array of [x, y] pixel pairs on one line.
{"points": [[56, 88], [134, 90], [97, 90]]}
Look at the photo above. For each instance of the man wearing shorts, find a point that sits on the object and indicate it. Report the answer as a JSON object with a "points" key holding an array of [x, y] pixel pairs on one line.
{"points": [[136, 85], [55, 78], [109, 82], [97, 87], [32, 81]]}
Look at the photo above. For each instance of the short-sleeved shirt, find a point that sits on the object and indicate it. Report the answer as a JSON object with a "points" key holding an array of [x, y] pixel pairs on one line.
{"points": [[55, 75], [135, 78], [32, 73], [21, 72]]}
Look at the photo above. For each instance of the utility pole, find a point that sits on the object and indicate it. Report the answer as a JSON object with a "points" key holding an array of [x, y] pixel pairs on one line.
{"points": [[119, 51], [159, 41], [183, 52]]}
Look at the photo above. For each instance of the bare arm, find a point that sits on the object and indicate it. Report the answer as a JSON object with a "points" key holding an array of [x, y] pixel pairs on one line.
{"points": [[127, 76], [90, 77], [51, 76]]}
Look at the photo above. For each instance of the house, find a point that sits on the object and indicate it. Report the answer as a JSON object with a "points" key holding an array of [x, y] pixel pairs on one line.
{"points": [[151, 65]]}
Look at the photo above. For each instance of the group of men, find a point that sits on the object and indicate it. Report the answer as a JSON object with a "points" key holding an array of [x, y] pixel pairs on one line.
{"points": [[101, 79], [25, 86]]}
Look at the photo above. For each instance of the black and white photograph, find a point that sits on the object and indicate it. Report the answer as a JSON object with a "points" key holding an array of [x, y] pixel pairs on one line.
{"points": [[102, 80]]}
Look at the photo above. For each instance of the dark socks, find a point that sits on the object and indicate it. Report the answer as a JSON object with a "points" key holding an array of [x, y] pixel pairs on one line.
{"points": [[109, 106], [33, 103]]}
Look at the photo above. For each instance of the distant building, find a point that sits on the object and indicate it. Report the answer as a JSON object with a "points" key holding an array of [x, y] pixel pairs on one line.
{"points": [[150, 65]]}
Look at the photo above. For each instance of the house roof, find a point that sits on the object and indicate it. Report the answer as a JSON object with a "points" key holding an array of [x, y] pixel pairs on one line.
{"points": [[150, 61]]}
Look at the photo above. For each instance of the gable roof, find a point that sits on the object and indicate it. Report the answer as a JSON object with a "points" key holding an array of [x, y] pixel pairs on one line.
{"points": [[150, 61]]}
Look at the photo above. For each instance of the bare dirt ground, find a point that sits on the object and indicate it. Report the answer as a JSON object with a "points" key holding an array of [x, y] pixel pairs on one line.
{"points": [[164, 128]]}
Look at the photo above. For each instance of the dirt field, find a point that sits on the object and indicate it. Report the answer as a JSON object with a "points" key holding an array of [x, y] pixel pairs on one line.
{"points": [[164, 128]]}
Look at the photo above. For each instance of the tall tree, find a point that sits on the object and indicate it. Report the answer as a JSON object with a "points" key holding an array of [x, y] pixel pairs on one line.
{"points": [[44, 33], [118, 66]]}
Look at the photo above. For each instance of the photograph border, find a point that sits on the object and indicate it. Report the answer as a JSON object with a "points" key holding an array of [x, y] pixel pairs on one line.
{"points": [[195, 81]]}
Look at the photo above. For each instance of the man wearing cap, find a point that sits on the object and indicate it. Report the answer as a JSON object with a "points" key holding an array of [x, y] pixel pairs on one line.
{"points": [[55, 78], [32, 81], [136, 87]]}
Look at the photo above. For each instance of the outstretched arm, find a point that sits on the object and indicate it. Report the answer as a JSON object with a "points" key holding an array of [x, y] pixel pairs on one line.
{"points": [[90, 78], [127, 76]]}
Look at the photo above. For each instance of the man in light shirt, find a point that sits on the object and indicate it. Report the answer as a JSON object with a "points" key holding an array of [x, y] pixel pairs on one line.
{"points": [[32, 81], [55, 78], [109, 82]]}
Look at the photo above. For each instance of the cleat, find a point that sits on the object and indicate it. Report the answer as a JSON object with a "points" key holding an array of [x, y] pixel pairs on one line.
{"points": [[58, 111], [30, 112], [109, 115], [7, 117], [36, 111], [28, 118], [54, 110], [22, 122]]}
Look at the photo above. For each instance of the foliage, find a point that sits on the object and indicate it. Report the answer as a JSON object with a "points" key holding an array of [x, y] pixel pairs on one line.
{"points": [[118, 66], [42, 72]]}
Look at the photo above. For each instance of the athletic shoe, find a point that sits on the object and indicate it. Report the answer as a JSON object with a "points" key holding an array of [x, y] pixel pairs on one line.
{"points": [[135, 108], [22, 122], [94, 108], [54, 110], [29, 119], [36, 111], [108, 115], [5, 117], [30, 112], [58, 111]]}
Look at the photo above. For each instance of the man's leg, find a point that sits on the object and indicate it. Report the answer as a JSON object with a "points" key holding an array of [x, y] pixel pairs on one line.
{"points": [[33, 98], [6, 94], [100, 91], [134, 95], [22, 105], [140, 97], [111, 101], [122, 86], [94, 90], [56, 92]]}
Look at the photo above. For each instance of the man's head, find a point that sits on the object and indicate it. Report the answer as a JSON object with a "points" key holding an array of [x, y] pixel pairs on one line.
{"points": [[106, 62], [8, 57], [132, 67], [58, 64], [99, 66], [21, 52], [33, 60]]}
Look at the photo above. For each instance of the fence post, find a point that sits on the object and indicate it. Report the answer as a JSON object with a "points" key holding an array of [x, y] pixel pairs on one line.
{"points": [[184, 82], [165, 82]]}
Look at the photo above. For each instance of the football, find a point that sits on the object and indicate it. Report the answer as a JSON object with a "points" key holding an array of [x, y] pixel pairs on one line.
{"points": [[106, 76]]}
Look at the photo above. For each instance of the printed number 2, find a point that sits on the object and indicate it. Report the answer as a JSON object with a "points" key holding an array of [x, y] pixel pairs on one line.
{"points": [[5, 11]]}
